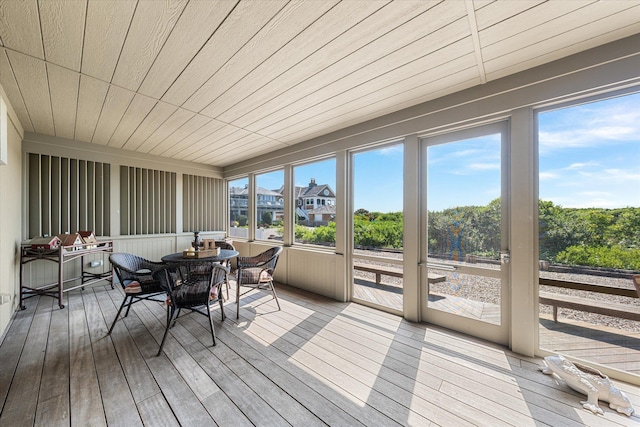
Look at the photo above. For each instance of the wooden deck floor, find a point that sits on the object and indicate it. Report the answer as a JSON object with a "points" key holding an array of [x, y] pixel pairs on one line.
{"points": [[390, 296], [316, 362], [616, 348], [613, 347]]}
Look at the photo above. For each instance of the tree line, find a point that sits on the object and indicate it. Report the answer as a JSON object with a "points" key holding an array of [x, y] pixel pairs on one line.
{"points": [[596, 237]]}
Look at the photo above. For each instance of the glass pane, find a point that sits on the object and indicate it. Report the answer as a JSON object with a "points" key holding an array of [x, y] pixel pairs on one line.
{"points": [[315, 203], [378, 226], [589, 230], [269, 205], [239, 208], [465, 295], [464, 227]]}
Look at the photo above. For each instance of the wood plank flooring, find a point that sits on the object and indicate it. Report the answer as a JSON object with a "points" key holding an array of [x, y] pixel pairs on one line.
{"points": [[609, 346], [316, 362], [389, 295], [614, 347]]}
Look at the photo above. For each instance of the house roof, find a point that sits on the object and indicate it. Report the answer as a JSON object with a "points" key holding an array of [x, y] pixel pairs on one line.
{"points": [[221, 82], [314, 191], [242, 191]]}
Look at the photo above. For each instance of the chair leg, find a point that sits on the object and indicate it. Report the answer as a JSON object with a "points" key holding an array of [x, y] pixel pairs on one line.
{"points": [[222, 308], [124, 302], [129, 306], [176, 318], [237, 299], [273, 289], [170, 311], [213, 332]]}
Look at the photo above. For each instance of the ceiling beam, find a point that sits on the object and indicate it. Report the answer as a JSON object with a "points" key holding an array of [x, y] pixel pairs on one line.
{"points": [[473, 27]]}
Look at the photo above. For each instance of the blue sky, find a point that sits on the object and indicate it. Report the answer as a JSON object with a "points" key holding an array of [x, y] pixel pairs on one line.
{"points": [[378, 179], [464, 173], [589, 157], [590, 154]]}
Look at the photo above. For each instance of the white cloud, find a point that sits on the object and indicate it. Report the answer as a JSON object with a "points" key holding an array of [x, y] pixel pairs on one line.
{"points": [[596, 124], [484, 166], [574, 166], [547, 176], [392, 150], [632, 177]]}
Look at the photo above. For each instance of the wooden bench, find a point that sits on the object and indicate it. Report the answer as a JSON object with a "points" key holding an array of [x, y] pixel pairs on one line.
{"points": [[381, 270], [624, 311]]}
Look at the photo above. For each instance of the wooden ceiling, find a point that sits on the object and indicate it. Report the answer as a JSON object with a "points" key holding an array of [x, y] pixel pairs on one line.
{"points": [[218, 82]]}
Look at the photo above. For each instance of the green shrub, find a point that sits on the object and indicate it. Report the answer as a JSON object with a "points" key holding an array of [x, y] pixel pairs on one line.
{"points": [[267, 218], [601, 256], [378, 233], [319, 235]]}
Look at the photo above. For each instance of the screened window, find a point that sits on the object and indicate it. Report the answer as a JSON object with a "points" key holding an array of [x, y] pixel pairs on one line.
{"points": [[239, 208], [269, 205], [589, 228], [315, 223]]}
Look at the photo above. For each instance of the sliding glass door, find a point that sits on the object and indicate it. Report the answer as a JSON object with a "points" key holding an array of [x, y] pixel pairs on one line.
{"points": [[465, 267]]}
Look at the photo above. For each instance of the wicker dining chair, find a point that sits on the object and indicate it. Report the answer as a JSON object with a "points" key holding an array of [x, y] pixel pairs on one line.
{"points": [[135, 276], [256, 272], [198, 293]]}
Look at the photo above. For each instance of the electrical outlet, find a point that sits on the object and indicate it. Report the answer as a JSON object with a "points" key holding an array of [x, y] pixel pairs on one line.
{"points": [[95, 263], [5, 298]]}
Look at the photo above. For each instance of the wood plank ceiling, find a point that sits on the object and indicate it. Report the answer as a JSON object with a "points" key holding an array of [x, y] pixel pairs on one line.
{"points": [[218, 82]]}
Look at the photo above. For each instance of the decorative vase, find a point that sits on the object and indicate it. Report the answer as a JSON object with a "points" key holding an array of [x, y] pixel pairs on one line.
{"points": [[197, 240]]}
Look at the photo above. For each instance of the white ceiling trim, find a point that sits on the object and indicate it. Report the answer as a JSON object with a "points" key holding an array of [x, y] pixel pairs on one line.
{"points": [[473, 25]]}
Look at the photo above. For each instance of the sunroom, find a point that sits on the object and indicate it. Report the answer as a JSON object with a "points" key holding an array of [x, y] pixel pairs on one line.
{"points": [[455, 186]]}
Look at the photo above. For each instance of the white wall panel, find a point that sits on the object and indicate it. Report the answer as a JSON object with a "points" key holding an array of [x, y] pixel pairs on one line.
{"points": [[314, 271], [10, 221]]}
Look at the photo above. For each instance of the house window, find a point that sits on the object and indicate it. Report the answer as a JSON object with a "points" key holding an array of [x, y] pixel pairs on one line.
{"points": [[269, 205], [238, 208], [315, 223]]}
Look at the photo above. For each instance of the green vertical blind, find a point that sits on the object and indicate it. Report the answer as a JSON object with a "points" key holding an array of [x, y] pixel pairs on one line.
{"points": [[200, 198], [147, 201], [67, 195]]}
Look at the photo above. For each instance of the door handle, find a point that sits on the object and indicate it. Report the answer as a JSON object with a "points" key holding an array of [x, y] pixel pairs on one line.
{"points": [[505, 257]]}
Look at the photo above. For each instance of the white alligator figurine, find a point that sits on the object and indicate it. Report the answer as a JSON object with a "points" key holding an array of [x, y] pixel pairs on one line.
{"points": [[589, 381]]}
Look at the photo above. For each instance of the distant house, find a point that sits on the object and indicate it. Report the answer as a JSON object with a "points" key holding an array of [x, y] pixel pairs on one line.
{"points": [[269, 201], [315, 202]]}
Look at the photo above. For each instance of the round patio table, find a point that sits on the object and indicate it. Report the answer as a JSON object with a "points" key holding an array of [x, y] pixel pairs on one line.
{"points": [[178, 258]]}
